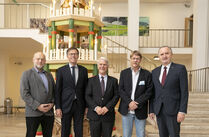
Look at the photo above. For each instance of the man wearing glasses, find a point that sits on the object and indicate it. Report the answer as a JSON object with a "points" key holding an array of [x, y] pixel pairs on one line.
{"points": [[71, 81]]}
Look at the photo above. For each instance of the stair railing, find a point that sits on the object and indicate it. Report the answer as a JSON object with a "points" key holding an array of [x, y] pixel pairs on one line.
{"points": [[119, 55]]}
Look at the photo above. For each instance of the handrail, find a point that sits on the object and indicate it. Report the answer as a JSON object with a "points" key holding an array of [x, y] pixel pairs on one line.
{"points": [[130, 50], [25, 4], [118, 55], [198, 80], [155, 37]]}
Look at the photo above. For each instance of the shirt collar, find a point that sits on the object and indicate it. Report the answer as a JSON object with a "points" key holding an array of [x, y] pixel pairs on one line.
{"points": [[100, 76], [72, 65], [167, 66], [43, 71], [134, 71]]}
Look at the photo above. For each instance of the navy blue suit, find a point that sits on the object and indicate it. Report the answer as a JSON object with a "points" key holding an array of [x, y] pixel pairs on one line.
{"points": [[66, 90], [169, 99]]}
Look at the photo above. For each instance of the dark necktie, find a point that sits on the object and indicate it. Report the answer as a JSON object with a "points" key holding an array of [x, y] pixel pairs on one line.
{"points": [[102, 85], [73, 73], [164, 76]]}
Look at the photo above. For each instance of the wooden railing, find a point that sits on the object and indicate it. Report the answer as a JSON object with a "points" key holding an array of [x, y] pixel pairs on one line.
{"points": [[199, 80]]}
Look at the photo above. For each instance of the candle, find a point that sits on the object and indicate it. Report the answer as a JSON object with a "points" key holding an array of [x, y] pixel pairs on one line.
{"points": [[95, 48], [91, 8]]}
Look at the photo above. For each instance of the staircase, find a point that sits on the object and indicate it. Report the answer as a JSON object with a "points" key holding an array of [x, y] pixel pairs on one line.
{"points": [[196, 123]]}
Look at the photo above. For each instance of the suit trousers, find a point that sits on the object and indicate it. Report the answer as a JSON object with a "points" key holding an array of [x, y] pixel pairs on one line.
{"points": [[100, 128], [167, 124], [77, 116], [46, 122]]}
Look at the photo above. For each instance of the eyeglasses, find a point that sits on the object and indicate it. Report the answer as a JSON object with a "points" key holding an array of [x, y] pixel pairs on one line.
{"points": [[73, 54]]}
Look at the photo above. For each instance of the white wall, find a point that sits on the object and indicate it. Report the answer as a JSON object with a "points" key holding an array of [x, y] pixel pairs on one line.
{"points": [[163, 15], [14, 74], [3, 78]]}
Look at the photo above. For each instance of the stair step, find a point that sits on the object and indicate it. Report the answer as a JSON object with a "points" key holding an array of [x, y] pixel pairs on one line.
{"points": [[182, 135]]}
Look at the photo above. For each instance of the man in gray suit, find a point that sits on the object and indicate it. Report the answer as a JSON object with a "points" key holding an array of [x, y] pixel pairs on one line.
{"points": [[171, 94], [37, 90]]}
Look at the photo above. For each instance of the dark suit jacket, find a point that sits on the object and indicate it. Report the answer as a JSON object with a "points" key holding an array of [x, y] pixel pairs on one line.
{"points": [[142, 94], [94, 98], [34, 93], [66, 89], [174, 94]]}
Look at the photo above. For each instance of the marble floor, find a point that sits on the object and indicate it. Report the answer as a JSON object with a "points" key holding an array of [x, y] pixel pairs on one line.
{"points": [[13, 125]]}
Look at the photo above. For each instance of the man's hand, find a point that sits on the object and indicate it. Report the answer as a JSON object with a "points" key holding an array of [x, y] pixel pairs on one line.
{"points": [[44, 107], [104, 110], [180, 117], [59, 113], [152, 116], [99, 110], [133, 105]]}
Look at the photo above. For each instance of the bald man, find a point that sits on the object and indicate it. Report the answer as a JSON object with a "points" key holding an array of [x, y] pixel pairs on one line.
{"points": [[37, 90]]}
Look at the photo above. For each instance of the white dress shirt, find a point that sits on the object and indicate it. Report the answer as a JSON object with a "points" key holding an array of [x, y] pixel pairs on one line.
{"points": [[162, 70], [135, 76]]}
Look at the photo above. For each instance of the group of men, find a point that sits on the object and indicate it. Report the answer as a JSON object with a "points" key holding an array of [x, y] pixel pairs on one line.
{"points": [[163, 93]]}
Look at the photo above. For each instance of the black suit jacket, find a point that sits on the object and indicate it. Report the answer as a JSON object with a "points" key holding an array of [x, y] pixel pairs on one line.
{"points": [[66, 89], [142, 94], [94, 98], [174, 94]]}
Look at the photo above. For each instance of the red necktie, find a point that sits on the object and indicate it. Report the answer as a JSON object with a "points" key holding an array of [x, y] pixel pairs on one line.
{"points": [[102, 85], [164, 76]]}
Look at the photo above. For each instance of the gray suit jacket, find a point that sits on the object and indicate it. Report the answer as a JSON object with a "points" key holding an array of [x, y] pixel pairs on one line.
{"points": [[34, 93]]}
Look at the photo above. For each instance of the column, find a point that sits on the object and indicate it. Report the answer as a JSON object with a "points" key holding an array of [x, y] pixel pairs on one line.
{"points": [[201, 33], [91, 35], [2, 14], [4, 59], [133, 24], [53, 45], [78, 40], [50, 37], [71, 33], [99, 37]]}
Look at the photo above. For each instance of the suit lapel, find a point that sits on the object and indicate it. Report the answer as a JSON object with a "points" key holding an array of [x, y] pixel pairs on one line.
{"points": [[79, 75], [158, 75], [99, 86], [129, 80], [108, 85], [39, 80]]}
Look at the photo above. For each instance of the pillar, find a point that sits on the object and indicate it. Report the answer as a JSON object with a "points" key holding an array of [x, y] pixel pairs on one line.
{"points": [[99, 37], [133, 24], [53, 45], [78, 40], [50, 37], [71, 33], [201, 33], [91, 35], [2, 14]]}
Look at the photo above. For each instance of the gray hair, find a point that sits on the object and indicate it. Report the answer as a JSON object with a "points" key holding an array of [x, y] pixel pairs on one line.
{"points": [[165, 47], [104, 59]]}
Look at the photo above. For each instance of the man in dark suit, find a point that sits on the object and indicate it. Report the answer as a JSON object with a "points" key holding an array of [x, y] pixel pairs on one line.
{"points": [[169, 102], [101, 98], [37, 90], [71, 81], [135, 89]]}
